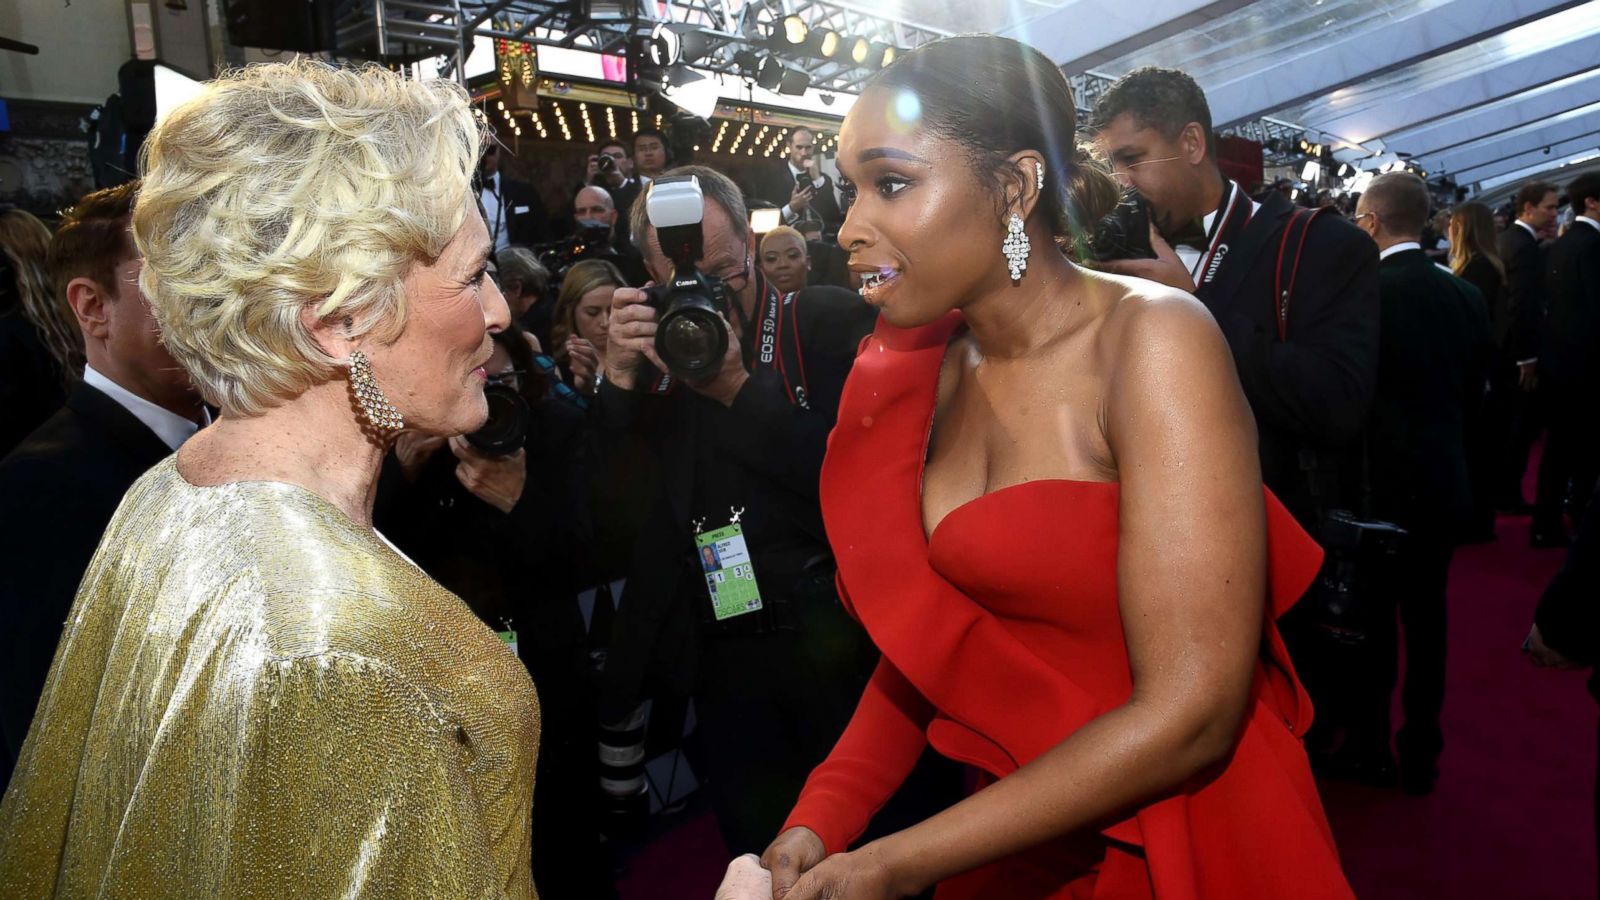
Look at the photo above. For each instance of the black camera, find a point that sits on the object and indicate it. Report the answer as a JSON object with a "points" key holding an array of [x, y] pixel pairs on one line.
{"points": [[1346, 597], [1125, 233], [692, 336], [506, 431]]}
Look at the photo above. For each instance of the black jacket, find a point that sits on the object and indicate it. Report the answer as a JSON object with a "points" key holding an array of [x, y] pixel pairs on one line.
{"points": [[1434, 355], [30, 381], [58, 490], [762, 455], [1483, 275], [523, 213], [775, 184], [1572, 338], [1518, 331], [1568, 615], [1313, 390]]}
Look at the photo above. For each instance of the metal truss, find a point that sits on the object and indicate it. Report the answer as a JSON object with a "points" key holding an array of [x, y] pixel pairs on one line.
{"points": [[726, 28]]}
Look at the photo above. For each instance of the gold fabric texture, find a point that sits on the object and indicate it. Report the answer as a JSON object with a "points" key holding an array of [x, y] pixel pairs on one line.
{"points": [[255, 697]]}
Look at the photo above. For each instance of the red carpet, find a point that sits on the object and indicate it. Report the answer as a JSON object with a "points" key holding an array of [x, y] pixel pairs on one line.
{"points": [[1512, 816]]}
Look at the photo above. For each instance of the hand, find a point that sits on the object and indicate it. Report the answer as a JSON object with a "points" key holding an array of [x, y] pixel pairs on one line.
{"points": [[795, 852], [630, 337], [746, 880], [592, 170], [800, 198], [1165, 269], [413, 449], [496, 480], [724, 386], [1543, 656], [1528, 375], [583, 360], [858, 875]]}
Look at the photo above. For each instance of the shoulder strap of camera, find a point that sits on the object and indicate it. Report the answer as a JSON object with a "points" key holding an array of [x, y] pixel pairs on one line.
{"points": [[1289, 249]]}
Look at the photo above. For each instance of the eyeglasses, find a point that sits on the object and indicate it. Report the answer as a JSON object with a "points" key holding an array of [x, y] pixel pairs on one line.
{"points": [[1359, 216], [1124, 175]]}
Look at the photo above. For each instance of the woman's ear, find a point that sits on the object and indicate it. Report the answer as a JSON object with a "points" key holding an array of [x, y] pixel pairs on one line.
{"points": [[1022, 182], [332, 333]]}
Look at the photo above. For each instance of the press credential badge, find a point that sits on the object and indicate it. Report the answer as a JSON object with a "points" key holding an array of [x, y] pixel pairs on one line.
{"points": [[730, 574]]}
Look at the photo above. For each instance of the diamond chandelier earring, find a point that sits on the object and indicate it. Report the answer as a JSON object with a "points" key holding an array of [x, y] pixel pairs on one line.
{"points": [[369, 397], [1016, 247]]}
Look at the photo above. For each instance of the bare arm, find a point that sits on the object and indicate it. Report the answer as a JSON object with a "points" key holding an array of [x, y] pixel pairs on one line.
{"points": [[1191, 596]]}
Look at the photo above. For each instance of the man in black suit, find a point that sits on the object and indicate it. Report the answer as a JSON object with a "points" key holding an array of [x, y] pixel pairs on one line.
{"points": [[513, 210], [1306, 353], [1433, 357], [745, 445], [797, 189], [59, 488], [1310, 385], [1569, 363], [1518, 325], [1566, 625]]}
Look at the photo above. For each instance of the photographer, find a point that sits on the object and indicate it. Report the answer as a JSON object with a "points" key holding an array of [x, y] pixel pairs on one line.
{"points": [[799, 187], [495, 520], [597, 217], [1309, 383], [741, 449], [611, 168], [1301, 319]]}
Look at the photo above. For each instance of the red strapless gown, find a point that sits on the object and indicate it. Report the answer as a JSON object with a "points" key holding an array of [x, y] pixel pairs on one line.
{"points": [[1001, 636]]}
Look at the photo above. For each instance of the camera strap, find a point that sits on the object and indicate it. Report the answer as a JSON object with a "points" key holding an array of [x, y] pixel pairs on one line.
{"points": [[1229, 225], [777, 342]]}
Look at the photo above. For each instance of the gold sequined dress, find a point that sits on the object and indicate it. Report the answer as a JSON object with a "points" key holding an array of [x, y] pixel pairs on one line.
{"points": [[255, 697]]}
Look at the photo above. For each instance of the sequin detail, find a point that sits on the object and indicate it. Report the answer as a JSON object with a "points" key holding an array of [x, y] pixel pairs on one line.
{"points": [[255, 697]]}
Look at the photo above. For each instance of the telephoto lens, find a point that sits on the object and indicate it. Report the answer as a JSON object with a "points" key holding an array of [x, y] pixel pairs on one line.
{"points": [[506, 431], [622, 775]]}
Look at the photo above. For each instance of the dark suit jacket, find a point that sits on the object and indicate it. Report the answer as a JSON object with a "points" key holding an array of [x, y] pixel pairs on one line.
{"points": [[1569, 612], [1518, 331], [763, 454], [30, 381], [58, 489], [524, 213], [1434, 353], [1312, 391], [1572, 338], [776, 185]]}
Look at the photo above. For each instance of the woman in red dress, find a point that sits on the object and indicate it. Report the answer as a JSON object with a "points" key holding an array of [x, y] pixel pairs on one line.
{"points": [[1044, 498]]}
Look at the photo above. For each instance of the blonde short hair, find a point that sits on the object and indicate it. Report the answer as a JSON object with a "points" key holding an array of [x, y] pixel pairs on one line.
{"points": [[784, 231], [290, 184]]}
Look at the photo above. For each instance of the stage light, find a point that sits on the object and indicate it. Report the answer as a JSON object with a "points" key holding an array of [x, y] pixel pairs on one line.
{"points": [[830, 43], [889, 54], [771, 74], [1346, 170], [860, 49], [795, 30], [794, 82], [1310, 172]]}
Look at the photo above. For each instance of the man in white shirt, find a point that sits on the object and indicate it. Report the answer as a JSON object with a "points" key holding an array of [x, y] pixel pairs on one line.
{"points": [[513, 210], [60, 486]]}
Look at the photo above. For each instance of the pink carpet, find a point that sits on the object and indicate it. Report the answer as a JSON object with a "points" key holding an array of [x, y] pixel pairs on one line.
{"points": [[1511, 817]]}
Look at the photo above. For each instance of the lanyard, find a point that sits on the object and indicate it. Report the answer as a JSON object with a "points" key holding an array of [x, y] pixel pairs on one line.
{"points": [[1226, 228]]}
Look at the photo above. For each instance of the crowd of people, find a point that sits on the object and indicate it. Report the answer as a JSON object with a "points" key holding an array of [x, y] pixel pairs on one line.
{"points": [[936, 539]]}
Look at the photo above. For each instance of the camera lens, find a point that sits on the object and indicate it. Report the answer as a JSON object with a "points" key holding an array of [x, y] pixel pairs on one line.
{"points": [[506, 431], [692, 341]]}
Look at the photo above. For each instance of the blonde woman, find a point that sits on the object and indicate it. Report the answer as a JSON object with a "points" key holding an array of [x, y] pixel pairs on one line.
{"points": [[255, 695], [581, 319], [41, 350]]}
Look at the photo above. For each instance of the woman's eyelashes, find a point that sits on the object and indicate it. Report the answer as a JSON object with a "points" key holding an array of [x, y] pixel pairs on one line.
{"points": [[890, 185]]}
